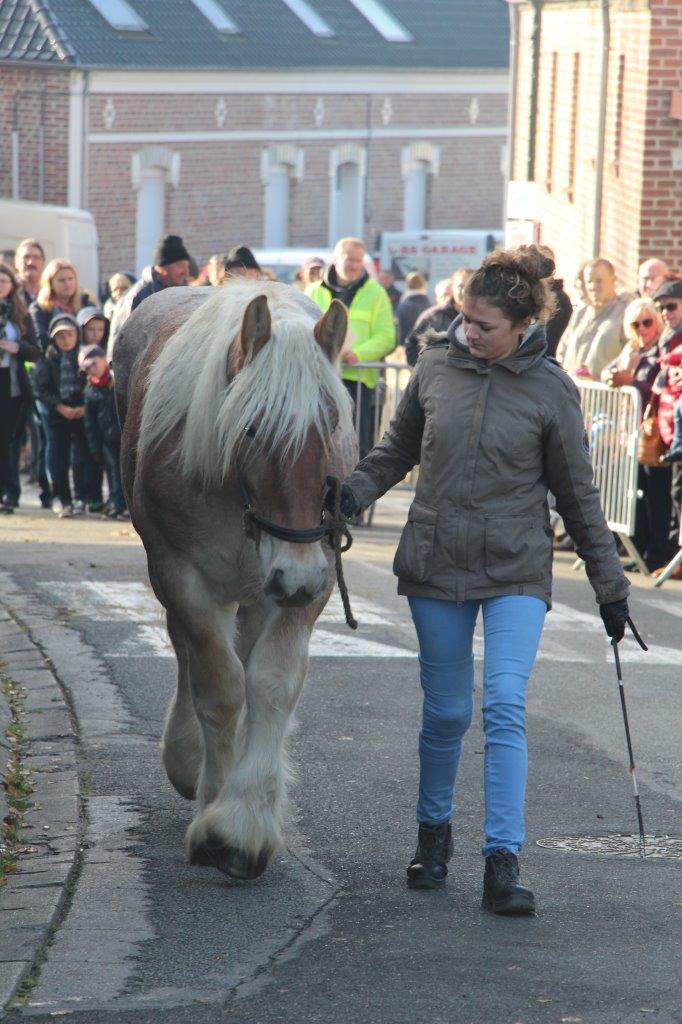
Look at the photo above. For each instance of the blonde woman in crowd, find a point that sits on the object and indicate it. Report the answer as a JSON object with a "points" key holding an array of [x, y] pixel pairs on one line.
{"points": [[637, 366], [59, 292]]}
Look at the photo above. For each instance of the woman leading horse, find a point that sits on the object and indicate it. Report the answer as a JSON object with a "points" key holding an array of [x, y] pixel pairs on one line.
{"points": [[493, 424]]}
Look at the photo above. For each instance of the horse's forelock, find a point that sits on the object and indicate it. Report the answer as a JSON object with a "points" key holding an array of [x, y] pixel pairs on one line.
{"points": [[289, 387]]}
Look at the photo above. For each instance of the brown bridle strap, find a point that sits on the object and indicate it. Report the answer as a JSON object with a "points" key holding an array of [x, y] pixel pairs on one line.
{"points": [[332, 525]]}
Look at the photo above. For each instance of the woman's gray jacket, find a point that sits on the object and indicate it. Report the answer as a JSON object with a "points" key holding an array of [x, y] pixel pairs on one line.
{"points": [[490, 439]]}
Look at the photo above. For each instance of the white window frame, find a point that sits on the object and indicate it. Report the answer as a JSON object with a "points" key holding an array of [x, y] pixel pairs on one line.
{"points": [[279, 166], [418, 161], [310, 18], [120, 15], [385, 23], [218, 17], [151, 163], [346, 154]]}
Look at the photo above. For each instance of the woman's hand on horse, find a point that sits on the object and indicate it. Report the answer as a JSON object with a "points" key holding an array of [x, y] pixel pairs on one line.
{"points": [[349, 506]]}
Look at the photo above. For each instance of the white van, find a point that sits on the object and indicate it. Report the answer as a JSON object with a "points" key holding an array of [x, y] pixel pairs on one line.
{"points": [[285, 262], [435, 254], [62, 231]]}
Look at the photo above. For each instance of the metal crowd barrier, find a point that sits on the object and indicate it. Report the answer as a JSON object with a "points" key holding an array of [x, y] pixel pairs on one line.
{"points": [[393, 379], [611, 417]]}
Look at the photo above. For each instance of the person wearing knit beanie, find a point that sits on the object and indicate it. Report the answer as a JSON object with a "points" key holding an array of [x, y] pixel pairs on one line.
{"points": [[170, 269], [169, 252], [241, 262]]}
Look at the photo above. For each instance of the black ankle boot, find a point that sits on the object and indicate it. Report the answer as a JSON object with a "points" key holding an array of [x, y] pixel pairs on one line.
{"points": [[501, 890], [429, 870]]}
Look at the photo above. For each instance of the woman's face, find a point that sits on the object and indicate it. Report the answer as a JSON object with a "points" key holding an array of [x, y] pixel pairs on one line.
{"points": [[64, 285], [66, 339], [488, 332], [6, 287], [644, 329]]}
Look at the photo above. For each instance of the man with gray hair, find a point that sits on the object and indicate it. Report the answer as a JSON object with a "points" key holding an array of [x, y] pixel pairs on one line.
{"points": [[595, 336], [371, 330], [651, 275]]}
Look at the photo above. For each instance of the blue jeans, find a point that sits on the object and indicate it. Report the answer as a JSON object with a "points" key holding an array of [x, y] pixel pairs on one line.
{"points": [[512, 628]]}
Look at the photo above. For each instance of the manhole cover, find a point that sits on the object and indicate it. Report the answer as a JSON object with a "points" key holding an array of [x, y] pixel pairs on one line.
{"points": [[618, 845]]}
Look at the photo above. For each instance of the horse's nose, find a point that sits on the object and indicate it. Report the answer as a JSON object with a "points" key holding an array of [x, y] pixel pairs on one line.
{"points": [[276, 588]]}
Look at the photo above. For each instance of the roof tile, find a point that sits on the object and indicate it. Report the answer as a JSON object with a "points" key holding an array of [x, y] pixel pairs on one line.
{"points": [[472, 34]]}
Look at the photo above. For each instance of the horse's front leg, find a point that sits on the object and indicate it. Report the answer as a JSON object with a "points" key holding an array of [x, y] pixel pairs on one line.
{"points": [[243, 826]]}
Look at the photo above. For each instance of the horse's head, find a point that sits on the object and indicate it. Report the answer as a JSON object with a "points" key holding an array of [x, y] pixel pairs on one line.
{"points": [[281, 462]]}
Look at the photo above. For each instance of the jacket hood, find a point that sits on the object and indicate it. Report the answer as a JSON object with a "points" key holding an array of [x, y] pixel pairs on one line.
{"points": [[65, 318], [532, 349], [88, 313]]}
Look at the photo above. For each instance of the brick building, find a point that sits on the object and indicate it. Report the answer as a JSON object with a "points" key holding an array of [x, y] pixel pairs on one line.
{"points": [[596, 156], [282, 122]]}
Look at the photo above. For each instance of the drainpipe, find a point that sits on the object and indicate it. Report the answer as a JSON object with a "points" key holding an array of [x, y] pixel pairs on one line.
{"points": [[534, 84], [513, 85], [601, 128], [16, 188]]}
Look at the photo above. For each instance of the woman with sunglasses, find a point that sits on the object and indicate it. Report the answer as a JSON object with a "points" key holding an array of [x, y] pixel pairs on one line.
{"points": [[638, 366]]}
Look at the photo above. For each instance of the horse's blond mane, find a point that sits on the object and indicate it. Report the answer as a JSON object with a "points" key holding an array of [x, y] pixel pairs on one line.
{"points": [[288, 388]]}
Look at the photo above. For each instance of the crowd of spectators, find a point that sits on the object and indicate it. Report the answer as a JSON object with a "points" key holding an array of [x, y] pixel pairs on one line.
{"points": [[57, 408]]}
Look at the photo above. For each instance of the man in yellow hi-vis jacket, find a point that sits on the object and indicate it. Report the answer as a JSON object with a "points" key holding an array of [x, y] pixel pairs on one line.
{"points": [[371, 330]]}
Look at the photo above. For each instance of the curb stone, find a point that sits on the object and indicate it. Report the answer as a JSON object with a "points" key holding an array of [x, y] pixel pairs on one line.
{"points": [[32, 898]]}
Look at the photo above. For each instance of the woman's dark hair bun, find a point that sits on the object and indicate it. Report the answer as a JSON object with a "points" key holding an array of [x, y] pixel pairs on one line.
{"points": [[515, 280], [527, 260]]}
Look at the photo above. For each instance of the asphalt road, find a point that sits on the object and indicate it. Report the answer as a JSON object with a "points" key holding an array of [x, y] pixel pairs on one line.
{"points": [[330, 933]]}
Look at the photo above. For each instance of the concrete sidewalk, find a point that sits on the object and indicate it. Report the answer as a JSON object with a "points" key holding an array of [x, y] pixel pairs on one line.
{"points": [[34, 890]]}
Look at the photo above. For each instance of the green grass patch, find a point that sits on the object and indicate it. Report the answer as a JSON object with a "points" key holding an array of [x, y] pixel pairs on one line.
{"points": [[17, 783]]}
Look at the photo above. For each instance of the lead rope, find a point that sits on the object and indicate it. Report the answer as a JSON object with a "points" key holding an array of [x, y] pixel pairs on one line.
{"points": [[338, 529]]}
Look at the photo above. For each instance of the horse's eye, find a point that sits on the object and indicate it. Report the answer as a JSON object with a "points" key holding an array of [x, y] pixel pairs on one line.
{"points": [[250, 432]]}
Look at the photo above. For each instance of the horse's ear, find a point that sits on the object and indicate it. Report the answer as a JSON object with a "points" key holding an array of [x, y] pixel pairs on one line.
{"points": [[330, 331], [255, 331]]}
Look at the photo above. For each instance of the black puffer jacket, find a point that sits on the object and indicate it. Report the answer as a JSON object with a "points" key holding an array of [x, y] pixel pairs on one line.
{"points": [[101, 420], [435, 318], [47, 382]]}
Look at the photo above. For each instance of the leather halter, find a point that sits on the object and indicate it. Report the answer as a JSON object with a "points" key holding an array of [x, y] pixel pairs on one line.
{"points": [[307, 536], [332, 526]]}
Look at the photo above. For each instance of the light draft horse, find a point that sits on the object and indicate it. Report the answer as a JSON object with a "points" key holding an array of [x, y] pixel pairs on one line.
{"points": [[222, 391]]}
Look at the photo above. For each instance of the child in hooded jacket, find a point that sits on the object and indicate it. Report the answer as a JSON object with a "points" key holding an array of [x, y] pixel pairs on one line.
{"points": [[94, 330], [58, 385], [102, 429]]}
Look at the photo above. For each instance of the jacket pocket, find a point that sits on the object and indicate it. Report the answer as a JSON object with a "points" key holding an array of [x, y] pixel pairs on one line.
{"points": [[517, 549], [414, 555]]}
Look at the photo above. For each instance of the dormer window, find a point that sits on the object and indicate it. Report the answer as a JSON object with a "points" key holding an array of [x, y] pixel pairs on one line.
{"points": [[120, 15], [310, 18], [217, 16], [384, 22]]}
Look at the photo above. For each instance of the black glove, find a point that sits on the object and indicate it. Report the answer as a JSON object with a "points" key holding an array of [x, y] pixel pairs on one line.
{"points": [[614, 615], [349, 505]]}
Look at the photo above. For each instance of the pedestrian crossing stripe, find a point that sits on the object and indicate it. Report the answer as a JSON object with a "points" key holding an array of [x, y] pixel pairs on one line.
{"points": [[134, 602]]}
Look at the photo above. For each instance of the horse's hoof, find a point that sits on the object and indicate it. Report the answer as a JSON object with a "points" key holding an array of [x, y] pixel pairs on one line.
{"points": [[228, 859]]}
